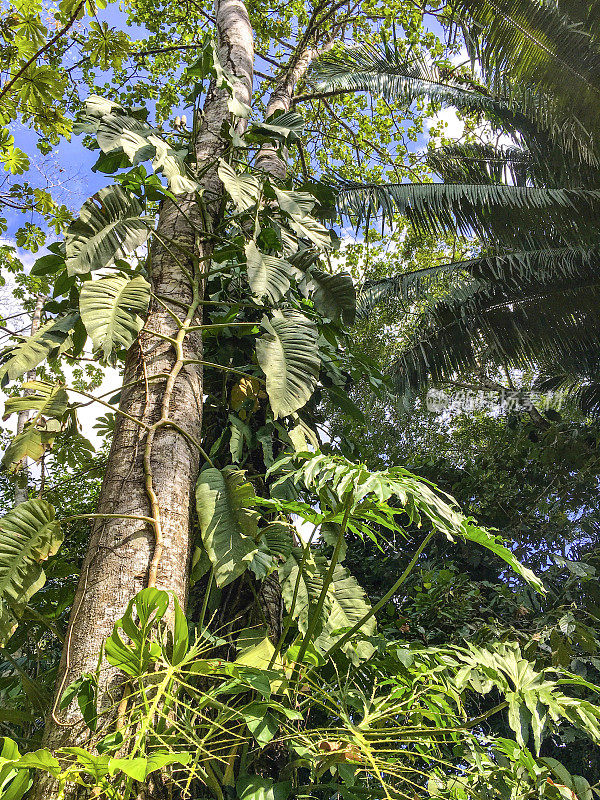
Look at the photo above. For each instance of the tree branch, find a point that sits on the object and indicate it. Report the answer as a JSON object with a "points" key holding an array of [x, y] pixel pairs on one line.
{"points": [[41, 51]]}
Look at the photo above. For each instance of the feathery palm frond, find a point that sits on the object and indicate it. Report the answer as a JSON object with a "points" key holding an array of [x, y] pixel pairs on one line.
{"points": [[513, 108], [534, 41], [553, 325], [478, 162], [584, 390], [484, 273], [501, 213], [531, 298]]}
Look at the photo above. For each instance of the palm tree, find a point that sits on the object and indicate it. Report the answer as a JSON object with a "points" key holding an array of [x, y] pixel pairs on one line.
{"points": [[531, 296]]}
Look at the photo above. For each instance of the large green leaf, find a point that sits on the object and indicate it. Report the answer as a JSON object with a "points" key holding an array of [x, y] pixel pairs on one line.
{"points": [[345, 602], [302, 577], [49, 400], [139, 768], [294, 203], [267, 275], [143, 614], [243, 189], [227, 522], [141, 142], [32, 351], [348, 605], [289, 357], [109, 226], [334, 295], [307, 227], [31, 443], [29, 535], [286, 127], [109, 309], [50, 403]]}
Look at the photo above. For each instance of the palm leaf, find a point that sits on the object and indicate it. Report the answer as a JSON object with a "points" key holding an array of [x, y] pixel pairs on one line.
{"points": [[534, 41], [485, 274], [506, 214], [554, 325], [510, 106]]}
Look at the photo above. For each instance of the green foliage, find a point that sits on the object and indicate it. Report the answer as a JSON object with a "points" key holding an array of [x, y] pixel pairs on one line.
{"points": [[110, 310], [228, 699], [109, 227], [29, 534], [499, 305]]}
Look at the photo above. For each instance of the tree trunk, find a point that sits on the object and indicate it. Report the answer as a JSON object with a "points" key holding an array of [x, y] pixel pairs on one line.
{"points": [[152, 467], [281, 100]]}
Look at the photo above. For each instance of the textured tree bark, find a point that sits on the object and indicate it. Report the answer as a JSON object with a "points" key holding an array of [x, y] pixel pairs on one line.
{"points": [[121, 552], [281, 100]]}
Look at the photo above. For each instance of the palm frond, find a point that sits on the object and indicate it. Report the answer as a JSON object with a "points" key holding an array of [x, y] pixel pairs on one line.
{"points": [[479, 162], [536, 43], [514, 271], [557, 325], [531, 39], [383, 70], [499, 213], [583, 390]]}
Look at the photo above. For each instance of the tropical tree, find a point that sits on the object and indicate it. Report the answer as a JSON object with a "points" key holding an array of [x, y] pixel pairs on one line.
{"points": [[528, 297], [205, 272]]}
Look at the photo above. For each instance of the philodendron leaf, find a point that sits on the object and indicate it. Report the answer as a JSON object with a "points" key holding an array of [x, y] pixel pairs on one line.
{"points": [[243, 189], [288, 355], [110, 309], [267, 275], [47, 399], [228, 523], [109, 226], [301, 584], [334, 295], [31, 443], [29, 535], [298, 203], [50, 403], [481, 536], [286, 127], [32, 351], [348, 606], [141, 142], [307, 227], [345, 602]]}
